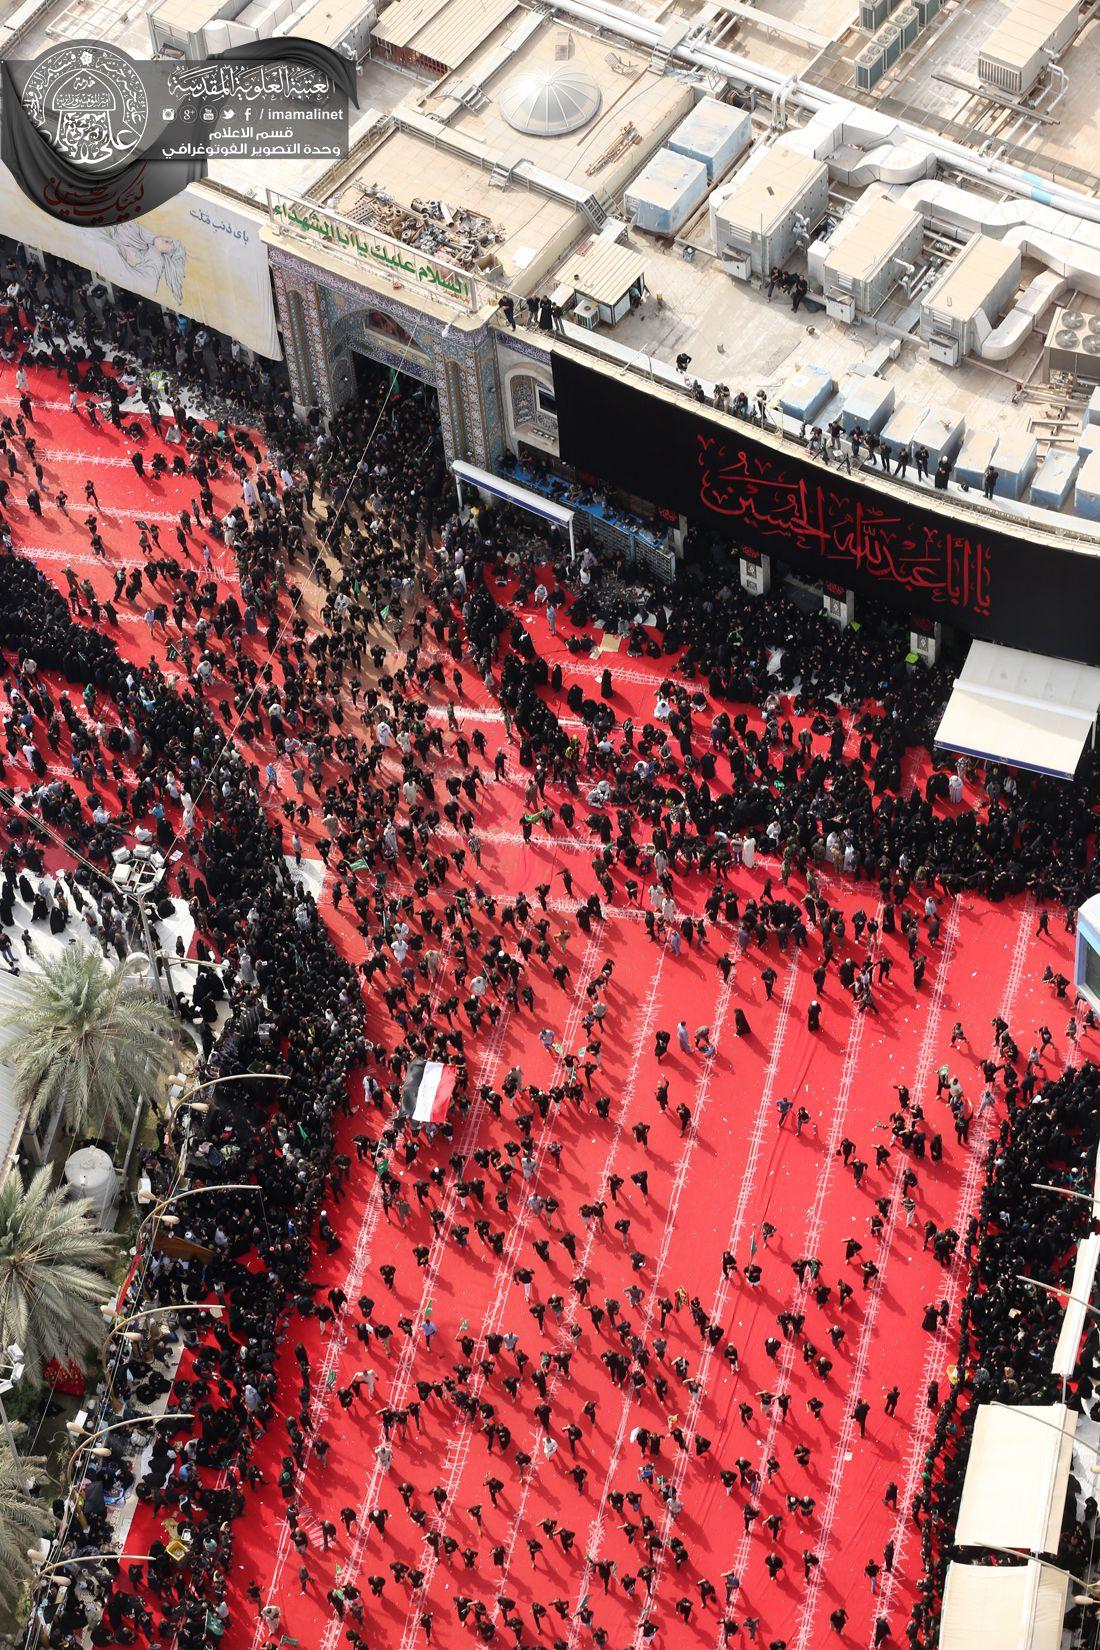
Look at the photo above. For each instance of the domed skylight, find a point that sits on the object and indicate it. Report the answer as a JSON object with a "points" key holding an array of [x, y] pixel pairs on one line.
{"points": [[550, 101]]}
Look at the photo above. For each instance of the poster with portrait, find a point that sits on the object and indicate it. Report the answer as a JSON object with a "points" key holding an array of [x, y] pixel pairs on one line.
{"points": [[196, 255]]}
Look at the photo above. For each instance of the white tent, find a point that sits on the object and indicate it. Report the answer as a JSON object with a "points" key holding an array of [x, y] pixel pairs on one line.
{"points": [[1077, 1307], [1002, 1608], [1022, 708], [1014, 1492]]}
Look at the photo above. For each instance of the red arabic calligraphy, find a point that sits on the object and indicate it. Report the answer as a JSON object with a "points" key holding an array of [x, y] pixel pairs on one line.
{"points": [[788, 509]]}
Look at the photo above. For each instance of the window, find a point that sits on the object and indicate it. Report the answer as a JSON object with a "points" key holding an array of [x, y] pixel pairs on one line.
{"points": [[546, 401]]}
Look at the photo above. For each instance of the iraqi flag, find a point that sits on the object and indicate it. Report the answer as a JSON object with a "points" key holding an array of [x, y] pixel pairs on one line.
{"points": [[427, 1091]]}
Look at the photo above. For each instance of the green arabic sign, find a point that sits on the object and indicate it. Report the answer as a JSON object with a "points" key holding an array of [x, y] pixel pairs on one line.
{"points": [[380, 252]]}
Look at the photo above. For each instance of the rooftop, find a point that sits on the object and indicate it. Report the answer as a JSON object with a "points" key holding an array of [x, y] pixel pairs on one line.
{"points": [[843, 151], [515, 141]]}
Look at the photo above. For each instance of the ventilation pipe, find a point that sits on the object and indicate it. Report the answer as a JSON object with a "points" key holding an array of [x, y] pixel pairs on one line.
{"points": [[811, 101]]}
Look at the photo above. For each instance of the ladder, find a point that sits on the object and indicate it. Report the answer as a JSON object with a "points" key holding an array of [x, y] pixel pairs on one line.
{"points": [[592, 210]]}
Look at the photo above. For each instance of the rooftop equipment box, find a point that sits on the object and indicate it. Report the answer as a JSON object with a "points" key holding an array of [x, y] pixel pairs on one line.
{"points": [[1019, 48], [979, 283], [768, 207], [666, 192], [714, 133], [868, 252]]}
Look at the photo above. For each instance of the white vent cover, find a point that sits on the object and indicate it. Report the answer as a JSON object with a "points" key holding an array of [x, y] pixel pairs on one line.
{"points": [[550, 101]]}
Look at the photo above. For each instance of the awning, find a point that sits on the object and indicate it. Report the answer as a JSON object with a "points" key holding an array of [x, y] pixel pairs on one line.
{"points": [[605, 272], [1077, 1308], [1014, 1492], [1002, 1608], [1022, 708], [427, 1090], [515, 494]]}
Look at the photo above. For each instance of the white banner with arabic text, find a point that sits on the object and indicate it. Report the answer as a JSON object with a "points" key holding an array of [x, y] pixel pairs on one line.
{"points": [[195, 255]]}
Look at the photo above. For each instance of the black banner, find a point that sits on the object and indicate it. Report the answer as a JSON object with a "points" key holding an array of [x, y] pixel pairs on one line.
{"points": [[924, 560]]}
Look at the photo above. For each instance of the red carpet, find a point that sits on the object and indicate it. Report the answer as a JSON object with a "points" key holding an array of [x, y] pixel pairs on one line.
{"points": [[711, 1188]]}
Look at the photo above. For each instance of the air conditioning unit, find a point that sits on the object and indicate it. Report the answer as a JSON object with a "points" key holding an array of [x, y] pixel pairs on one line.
{"points": [[906, 20], [870, 66], [891, 43], [738, 264], [926, 10], [873, 14], [841, 306], [944, 349], [586, 313]]}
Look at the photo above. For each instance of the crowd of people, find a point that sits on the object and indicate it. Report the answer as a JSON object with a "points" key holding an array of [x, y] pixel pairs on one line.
{"points": [[1009, 1328], [771, 731]]}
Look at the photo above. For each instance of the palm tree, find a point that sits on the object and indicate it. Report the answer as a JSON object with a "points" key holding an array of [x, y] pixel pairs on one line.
{"points": [[23, 1517], [91, 1039], [51, 1282]]}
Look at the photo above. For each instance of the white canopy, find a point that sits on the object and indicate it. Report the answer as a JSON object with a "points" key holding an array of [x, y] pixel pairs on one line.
{"points": [[1073, 1324], [1002, 1608], [515, 494], [1014, 1492], [1021, 708]]}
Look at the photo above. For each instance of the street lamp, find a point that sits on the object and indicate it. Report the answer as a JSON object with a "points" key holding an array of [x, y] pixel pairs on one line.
{"points": [[186, 1098], [136, 878], [1062, 1191], [213, 1308], [1053, 1289], [1092, 1587], [1015, 1409], [157, 1211], [38, 1560], [91, 1440]]}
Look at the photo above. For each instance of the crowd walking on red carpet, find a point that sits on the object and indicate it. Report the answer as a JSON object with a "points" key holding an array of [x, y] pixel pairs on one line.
{"points": [[327, 722]]}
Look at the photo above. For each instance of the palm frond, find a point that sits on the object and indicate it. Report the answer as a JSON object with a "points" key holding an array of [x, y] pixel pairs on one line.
{"points": [[90, 1038], [23, 1518], [52, 1285]]}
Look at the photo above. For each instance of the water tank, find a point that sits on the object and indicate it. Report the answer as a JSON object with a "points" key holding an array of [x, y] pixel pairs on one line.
{"points": [[90, 1173]]}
